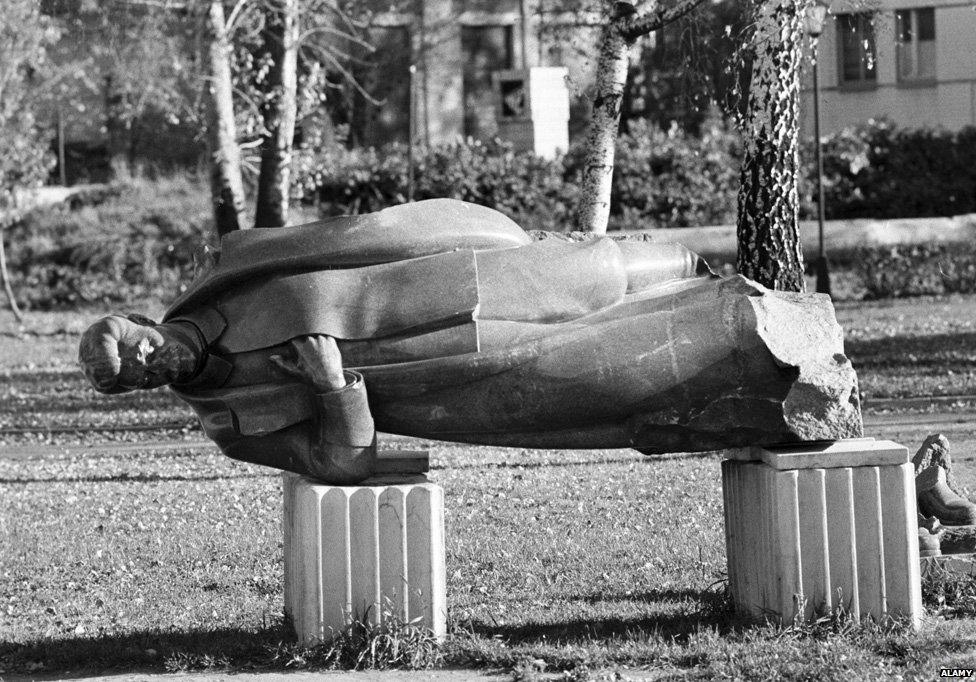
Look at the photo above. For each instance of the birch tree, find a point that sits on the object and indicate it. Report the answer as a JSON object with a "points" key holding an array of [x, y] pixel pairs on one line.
{"points": [[279, 112], [269, 62], [625, 27], [227, 183], [769, 249]]}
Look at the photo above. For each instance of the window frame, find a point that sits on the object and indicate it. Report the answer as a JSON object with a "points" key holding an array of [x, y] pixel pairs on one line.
{"points": [[864, 24], [914, 45]]}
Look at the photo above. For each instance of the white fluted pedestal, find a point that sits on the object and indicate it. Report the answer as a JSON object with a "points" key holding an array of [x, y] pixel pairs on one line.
{"points": [[355, 553], [822, 527]]}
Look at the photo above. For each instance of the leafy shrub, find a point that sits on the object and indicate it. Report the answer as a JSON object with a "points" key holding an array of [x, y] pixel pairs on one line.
{"points": [[130, 241], [662, 179], [671, 179], [526, 187], [876, 170], [917, 269]]}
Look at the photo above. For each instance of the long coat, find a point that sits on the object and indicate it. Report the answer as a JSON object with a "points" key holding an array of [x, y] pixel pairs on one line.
{"points": [[466, 329]]}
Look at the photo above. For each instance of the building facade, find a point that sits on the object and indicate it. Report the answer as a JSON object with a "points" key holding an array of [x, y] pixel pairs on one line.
{"points": [[911, 61], [459, 50]]}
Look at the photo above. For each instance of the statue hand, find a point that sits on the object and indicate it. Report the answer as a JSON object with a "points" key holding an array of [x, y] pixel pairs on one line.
{"points": [[318, 362]]}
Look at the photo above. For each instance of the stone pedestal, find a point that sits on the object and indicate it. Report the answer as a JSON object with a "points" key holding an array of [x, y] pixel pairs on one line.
{"points": [[532, 109], [358, 553], [821, 527]]}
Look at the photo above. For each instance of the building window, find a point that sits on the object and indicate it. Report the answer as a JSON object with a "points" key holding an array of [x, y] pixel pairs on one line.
{"points": [[386, 76], [858, 56], [485, 49], [915, 33]]}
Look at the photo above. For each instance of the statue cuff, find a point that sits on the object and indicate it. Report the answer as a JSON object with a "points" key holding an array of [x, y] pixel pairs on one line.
{"points": [[345, 415]]}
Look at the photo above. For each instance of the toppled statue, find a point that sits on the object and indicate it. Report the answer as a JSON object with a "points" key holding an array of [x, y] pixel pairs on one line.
{"points": [[445, 320]]}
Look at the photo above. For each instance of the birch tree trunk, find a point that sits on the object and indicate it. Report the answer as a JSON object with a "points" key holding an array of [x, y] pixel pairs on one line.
{"points": [[279, 111], [626, 26], [227, 185], [769, 249], [5, 276], [593, 209]]}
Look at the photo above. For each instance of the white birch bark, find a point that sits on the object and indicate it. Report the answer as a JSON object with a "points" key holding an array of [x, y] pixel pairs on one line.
{"points": [[7, 288], [596, 183], [227, 185], [593, 209]]}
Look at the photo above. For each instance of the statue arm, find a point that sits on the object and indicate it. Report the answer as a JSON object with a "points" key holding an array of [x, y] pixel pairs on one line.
{"points": [[343, 449]]}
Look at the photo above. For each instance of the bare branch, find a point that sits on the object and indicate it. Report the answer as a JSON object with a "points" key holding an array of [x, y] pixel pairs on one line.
{"points": [[634, 26], [233, 16], [336, 32], [348, 75]]}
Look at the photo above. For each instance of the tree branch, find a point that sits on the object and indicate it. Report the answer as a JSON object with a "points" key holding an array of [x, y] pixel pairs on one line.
{"points": [[234, 14], [346, 73], [308, 33], [634, 26]]}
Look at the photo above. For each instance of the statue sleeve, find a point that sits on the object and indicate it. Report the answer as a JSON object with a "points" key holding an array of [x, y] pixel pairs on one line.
{"points": [[346, 447]]}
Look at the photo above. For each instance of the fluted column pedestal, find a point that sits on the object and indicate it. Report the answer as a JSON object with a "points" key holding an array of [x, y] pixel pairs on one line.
{"points": [[363, 553], [821, 527]]}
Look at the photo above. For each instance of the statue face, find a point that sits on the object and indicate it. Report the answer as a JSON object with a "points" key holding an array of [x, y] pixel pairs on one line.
{"points": [[119, 354]]}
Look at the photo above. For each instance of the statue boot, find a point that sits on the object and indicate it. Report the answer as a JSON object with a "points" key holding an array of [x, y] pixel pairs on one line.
{"points": [[936, 498], [937, 494]]}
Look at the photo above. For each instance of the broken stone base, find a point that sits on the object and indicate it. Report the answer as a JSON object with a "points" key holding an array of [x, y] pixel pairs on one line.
{"points": [[822, 527], [363, 553], [959, 564]]}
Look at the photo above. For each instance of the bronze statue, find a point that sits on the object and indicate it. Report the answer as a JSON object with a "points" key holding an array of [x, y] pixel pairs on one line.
{"points": [[452, 323]]}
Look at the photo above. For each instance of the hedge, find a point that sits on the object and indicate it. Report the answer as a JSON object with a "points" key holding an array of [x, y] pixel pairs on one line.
{"points": [[917, 269], [877, 170], [662, 179], [141, 239], [122, 243]]}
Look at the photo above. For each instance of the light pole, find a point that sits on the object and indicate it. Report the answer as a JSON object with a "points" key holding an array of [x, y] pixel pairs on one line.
{"points": [[813, 21], [411, 132]]}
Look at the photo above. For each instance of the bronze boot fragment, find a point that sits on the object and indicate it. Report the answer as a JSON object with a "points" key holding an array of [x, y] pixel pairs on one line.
{"points": [[936, 498]]}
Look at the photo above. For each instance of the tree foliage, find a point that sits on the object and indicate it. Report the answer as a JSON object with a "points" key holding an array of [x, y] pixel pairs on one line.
{"points": [[24, 38]]}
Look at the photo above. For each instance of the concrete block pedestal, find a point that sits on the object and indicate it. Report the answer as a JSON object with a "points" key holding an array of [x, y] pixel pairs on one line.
{"points": [[821, 526], [356, 553]]}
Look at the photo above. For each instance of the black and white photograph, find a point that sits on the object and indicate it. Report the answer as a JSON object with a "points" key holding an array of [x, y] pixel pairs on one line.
{"points": [[488, 340]]}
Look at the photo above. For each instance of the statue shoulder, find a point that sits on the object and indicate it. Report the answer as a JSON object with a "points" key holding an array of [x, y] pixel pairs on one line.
{"points": [[397, 233]]}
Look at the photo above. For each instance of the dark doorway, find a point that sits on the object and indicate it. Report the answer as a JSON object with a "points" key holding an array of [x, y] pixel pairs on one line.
{"points": [[388, 82], [485, 49]]}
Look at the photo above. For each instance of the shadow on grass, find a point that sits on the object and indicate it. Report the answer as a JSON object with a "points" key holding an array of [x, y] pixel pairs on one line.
{"points": [[69, 392], [142, 652], [626, 457], [934, 350], [131, 478], [706, 609]]}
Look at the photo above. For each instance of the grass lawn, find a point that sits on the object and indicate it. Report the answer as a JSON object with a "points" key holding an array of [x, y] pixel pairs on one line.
{"points": [[905, 348], [593, 562]]}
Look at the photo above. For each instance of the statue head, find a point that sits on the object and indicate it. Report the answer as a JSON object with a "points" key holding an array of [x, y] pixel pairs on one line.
{"points": [[121, 354]]}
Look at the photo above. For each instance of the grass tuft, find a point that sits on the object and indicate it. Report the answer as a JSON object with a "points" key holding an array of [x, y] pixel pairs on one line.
{"points": [[364, 645], [188, 661], [949, 594]]}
